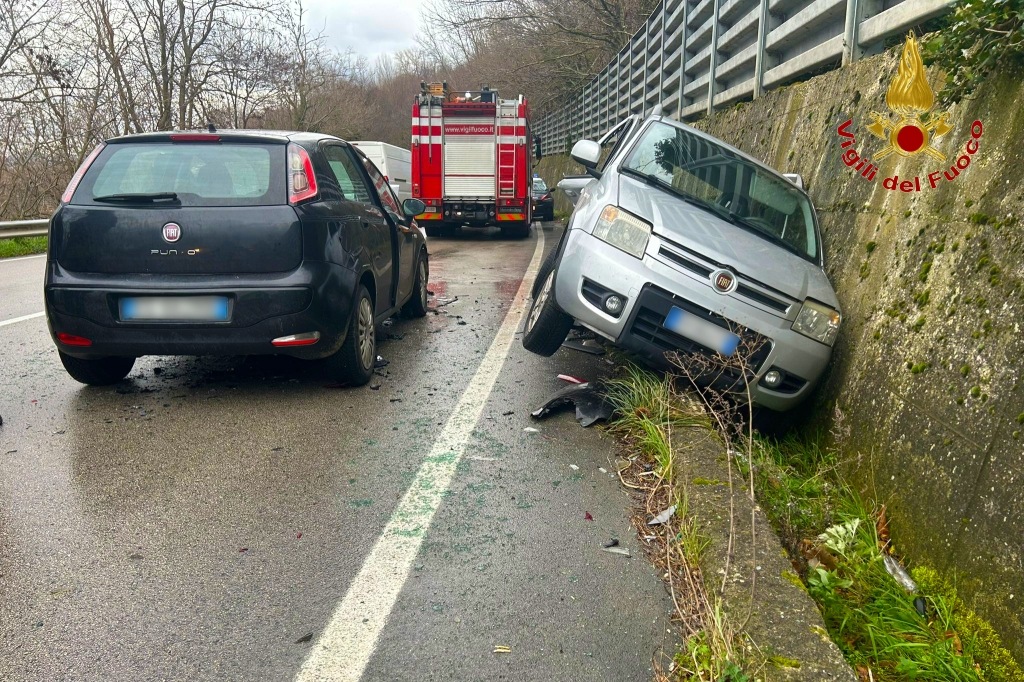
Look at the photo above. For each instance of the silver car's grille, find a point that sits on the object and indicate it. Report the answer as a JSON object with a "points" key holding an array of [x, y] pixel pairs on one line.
{"points": [[688, 259]]}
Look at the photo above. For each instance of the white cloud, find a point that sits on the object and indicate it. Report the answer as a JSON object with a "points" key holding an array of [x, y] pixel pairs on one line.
{"points": [[370, 27]]}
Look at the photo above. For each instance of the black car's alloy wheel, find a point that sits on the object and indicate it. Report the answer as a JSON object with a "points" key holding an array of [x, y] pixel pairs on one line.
{"points": [[353, 363], [97, 371], [416, 306]]}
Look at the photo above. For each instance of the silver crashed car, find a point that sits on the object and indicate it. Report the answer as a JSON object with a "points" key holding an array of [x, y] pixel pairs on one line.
{"points": [[679, 242]]}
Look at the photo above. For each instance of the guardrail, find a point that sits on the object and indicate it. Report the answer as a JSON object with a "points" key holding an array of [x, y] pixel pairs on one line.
{"points": [[24, 228], [693, 56]]}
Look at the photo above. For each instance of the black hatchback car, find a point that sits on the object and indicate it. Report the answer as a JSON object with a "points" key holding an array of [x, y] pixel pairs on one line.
{"points": [[229, 243]]}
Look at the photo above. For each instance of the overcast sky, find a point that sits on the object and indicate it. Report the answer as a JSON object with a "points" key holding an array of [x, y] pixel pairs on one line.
{"points": [[370, 27]]}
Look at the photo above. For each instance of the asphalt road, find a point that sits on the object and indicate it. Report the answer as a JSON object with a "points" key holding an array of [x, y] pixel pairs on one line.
{"points": [[235, 519]]}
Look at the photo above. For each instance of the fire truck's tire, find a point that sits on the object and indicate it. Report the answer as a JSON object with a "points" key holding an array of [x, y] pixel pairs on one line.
{"points": [[546, 325], [518, 230]]}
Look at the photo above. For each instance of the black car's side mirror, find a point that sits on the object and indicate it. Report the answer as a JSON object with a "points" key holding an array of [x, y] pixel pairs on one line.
{"points": [[413, 207]]}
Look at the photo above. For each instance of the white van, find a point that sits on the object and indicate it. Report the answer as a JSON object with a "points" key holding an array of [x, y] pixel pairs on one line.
{"points": [[394, 163]]}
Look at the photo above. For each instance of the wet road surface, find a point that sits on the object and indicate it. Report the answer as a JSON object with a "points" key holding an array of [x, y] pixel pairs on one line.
{"points": [[206, 518]]}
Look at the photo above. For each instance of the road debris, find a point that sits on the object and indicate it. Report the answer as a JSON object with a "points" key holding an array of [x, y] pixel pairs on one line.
{"points": [[574, 467], [308, 637], [589, 399], [587, 516], [502, 649], [899, 573], [571, 379], [614, 542], [530, 429], [380, 362], [617, 550], [587, 346], [663, 517]]}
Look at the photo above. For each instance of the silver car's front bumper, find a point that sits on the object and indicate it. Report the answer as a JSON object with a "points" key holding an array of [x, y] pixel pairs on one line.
{"points": [[652, 286]]}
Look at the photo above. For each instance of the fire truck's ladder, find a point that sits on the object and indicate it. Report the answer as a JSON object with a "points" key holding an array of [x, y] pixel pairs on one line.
{"points": [[508, 110]]}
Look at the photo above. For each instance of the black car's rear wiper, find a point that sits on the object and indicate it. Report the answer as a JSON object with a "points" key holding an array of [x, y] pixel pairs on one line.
{"points": [[138, 198]]}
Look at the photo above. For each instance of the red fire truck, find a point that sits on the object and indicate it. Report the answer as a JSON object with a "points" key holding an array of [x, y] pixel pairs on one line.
{"points": [[471, 160]]}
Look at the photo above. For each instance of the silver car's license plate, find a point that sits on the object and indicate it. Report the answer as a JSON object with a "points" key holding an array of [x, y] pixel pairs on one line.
{"points": [[175, 308], [703, 332]]}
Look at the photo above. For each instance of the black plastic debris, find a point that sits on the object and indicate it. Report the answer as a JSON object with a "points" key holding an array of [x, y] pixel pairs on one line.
{"points": [[589, 399], [381, 362], [587, 346]]}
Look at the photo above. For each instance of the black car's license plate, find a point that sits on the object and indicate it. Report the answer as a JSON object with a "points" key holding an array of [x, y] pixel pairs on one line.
{"points": [[703, 332], [175, 308]]}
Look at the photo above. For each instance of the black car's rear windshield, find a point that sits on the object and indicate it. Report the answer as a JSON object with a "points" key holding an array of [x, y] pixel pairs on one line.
{"points": [[197, 173]]}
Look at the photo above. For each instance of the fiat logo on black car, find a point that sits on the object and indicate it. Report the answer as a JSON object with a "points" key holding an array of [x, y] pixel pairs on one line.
{"points": [[172, 232], [723, 281]]}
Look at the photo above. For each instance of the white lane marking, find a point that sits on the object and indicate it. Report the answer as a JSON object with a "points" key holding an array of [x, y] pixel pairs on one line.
{"points": [[21, 319], [14, 260], [347, 642]]}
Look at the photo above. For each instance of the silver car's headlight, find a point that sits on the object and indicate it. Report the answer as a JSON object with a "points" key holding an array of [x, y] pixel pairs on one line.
{"points": [[818, 321], [623, 231]]}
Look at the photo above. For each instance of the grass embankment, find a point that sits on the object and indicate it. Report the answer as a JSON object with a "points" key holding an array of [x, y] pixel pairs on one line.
{"points": [[838, 546], [22, 246]]}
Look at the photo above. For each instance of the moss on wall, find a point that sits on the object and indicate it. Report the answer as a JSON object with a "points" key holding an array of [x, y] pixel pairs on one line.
{"points": [[925, 390]]}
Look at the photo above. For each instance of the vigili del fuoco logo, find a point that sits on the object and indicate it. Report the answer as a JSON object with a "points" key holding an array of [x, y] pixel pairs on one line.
{"points": [[910, 129]]}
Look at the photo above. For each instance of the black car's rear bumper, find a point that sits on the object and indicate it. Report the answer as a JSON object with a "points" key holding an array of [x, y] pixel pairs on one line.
{"points": [[316, 297]]}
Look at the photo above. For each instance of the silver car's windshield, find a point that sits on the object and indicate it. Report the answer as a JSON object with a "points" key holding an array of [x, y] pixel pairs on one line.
{"points": [[732, 187]]}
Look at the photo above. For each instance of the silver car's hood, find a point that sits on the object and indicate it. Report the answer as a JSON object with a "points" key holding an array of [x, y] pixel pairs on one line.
{"points": [[725, 243]]}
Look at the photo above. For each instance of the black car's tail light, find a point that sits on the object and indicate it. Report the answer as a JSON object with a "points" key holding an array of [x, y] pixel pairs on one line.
{"points": [[77, 177], [72, 340], [301, 179], [304, 339]]}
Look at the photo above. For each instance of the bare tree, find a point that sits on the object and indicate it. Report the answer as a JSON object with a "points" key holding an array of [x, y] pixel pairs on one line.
{"points": [[555, 45], [22, 26]]}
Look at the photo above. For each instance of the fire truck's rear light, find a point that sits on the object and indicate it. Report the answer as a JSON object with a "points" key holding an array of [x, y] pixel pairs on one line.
{"points": [[301, 179], [511, 202], [72, 340], [77, 178], [306, 339]]}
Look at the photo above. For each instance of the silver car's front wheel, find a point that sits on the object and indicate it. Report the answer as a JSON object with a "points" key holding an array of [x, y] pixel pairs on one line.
{"points": [[540, 302], [546, 325]]}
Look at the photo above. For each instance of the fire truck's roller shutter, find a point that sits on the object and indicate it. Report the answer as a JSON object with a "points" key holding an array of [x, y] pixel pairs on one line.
{"points": [[469, 158]]}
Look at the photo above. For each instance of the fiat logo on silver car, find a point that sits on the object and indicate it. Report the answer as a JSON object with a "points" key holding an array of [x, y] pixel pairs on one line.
{"points": [[723, 281], [172, 232]]}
